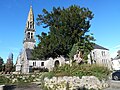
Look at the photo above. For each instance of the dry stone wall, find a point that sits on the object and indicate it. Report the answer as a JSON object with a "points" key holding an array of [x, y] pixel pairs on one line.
{"points": [[74, 83]]}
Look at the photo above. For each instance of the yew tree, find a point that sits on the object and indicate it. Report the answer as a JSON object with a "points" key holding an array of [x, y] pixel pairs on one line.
{"points": [[67, 26]]}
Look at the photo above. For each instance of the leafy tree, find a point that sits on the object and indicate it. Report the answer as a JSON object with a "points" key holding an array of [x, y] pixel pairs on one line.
{"points": [[1, 64], [67, 26]]}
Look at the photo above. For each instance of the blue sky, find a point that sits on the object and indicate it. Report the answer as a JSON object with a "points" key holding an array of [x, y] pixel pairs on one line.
{"points": [[13, 15]]}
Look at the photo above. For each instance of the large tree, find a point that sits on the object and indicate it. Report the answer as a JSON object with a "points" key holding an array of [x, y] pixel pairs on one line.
{"points": [[67, 26]]}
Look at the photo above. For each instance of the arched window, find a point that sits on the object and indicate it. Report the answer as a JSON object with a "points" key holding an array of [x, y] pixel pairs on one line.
{"points": [[28, 35], [42, 63], [31, 35], [31, 25]]}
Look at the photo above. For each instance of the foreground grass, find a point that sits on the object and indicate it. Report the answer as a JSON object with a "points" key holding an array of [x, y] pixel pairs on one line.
{"points": [[80, 70], [4, 80]]}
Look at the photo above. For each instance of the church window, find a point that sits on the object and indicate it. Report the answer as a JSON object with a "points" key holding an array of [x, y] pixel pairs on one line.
{"points": [[28, 35], [33, 24], [42, 63], [93, 54], [30, 24], [31, 35], [34, 63]]}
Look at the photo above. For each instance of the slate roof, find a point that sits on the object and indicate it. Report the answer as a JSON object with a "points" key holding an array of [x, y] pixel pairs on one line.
{"points": [[29, 53], [96, 46]]}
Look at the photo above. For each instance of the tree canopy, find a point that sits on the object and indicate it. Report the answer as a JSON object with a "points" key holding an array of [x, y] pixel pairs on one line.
{"points": [[67, 26]]}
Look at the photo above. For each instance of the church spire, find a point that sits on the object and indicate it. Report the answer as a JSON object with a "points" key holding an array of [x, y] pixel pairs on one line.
{"points": [[30, 20], [29, 39]]}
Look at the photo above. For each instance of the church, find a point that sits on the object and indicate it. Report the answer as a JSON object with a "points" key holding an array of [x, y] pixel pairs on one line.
{"points": [[25, 64]]}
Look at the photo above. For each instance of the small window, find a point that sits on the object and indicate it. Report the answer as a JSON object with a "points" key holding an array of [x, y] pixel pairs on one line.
{"points": [[103, 53], [34, 63], [31, 35], [93, 54], [30, 24], [28, 35], [42, 63]]}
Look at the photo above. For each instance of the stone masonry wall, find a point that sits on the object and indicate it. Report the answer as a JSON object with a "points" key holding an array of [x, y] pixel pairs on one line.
{"points": [[74, 83]]}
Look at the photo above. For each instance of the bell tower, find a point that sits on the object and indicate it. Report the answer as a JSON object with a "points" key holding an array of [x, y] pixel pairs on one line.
{"points": [[29, 39]]}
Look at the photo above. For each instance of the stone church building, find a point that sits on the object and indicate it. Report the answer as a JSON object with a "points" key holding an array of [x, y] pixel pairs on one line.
{"points": [[24, 63]]}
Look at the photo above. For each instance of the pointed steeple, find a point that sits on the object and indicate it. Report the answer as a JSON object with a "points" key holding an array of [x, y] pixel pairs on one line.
{"points": [[30, 20], [29, 39]]}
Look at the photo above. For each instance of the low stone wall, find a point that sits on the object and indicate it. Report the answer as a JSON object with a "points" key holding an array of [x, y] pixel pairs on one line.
{"points": [[74, 83]]}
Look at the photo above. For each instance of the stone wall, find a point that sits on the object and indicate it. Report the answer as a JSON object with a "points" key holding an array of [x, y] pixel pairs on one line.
{"points": [[74, 83]]}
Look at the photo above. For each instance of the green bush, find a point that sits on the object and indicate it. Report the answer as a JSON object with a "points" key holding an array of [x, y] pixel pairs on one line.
{"points": [[49, 75], [4, 80], [81, 70]]}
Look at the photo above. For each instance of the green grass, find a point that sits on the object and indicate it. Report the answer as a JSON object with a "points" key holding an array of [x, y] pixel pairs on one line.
{"points": [[4, 80], [80, 70]]}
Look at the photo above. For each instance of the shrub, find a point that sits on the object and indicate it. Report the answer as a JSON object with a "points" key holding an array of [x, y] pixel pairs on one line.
{"points": [[82, 70], [49, 75], [4, 80]]}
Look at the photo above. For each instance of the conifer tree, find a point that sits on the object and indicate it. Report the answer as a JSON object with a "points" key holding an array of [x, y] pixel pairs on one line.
{"points": [[67, 26]]}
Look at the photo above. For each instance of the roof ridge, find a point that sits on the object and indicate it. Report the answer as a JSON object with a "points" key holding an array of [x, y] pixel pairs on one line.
{"points": [[96, 46]]}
